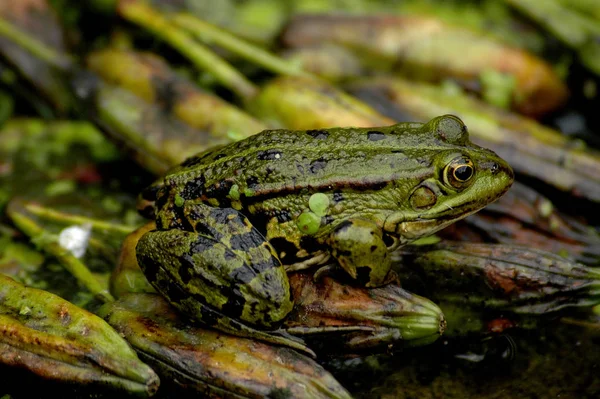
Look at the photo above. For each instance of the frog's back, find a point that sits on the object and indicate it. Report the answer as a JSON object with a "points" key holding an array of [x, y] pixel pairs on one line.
{"points": [[281, 161]]}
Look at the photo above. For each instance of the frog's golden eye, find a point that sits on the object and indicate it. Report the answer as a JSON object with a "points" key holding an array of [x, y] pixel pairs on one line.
{"points": [[459, 172]]}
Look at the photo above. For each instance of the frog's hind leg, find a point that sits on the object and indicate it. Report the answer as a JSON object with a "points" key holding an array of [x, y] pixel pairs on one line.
{"points": [[220, 272]]}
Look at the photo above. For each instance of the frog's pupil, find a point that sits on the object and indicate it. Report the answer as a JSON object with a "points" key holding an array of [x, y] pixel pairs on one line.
{"points": [[463, 173]]}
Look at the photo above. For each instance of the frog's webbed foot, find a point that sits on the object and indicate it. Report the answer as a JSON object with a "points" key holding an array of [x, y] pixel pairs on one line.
{"points": [[358, 246], [319, 258], [323, 271], [218, 320], [275, 337]]}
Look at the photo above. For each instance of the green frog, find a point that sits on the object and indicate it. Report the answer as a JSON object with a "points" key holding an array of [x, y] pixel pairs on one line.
{"points": [[231, 222]]}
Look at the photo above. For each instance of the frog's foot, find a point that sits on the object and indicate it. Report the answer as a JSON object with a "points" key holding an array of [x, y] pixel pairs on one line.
{"points": [[359, 248], [324, 271], [318, 259], [237, 328]]}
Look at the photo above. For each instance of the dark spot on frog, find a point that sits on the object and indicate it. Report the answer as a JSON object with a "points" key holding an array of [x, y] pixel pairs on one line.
{"points": [[219, 156], [318, 134], [252, 182], [363, 274], [162, 198], [229, 256], [219, 190], [246, 273], [253, 309], [317, 165], [228, 216], [327, 219], [206, 231], [281, 215], [173, 292], [310, 244], [269, 155], [337, 196], [281, 244], [246, 241], [149, 266], [269, 170], [388, 240], [235, 304], [259, 222], [180, 220], [193, 189], [375, 135], [185, 269], [343, 226], [201, 244], [373, 248]]}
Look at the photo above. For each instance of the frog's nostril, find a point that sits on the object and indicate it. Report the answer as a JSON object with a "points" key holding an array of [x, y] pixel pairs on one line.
{"points": [[495, 168]]}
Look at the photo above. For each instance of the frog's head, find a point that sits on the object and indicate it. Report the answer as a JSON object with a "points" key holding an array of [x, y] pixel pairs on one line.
{"points": [[461, 179]]}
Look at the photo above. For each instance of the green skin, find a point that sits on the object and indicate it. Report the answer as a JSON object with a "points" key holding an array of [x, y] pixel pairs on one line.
{"points": [[229, 219]]}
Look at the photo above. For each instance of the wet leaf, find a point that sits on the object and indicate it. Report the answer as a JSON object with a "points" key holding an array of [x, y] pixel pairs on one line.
{"points": [[508, 278], [213, 363], [340, 317], [56, 340]]}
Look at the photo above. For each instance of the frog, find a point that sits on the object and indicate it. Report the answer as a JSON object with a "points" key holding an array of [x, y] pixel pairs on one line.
{"points": [[231, 222]]}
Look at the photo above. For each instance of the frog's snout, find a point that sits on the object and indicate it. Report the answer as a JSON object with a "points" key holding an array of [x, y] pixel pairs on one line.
{"points": [[499, 169], [501, 173]]}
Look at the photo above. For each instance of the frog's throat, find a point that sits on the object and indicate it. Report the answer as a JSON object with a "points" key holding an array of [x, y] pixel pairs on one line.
{"points": [[411, 227]]}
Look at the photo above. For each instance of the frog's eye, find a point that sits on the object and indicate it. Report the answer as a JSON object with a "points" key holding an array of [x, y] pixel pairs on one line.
{"points": [[458, 172]]}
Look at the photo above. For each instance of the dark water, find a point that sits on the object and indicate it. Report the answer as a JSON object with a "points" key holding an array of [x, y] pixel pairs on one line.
{"points": [[555, 361]]}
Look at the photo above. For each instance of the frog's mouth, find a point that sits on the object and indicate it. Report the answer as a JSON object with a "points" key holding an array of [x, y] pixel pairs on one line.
{"points": [[410, 230]]}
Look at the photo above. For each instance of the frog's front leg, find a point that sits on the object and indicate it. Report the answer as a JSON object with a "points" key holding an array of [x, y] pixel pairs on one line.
{"points": [[359, 248], [216, 267]]}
